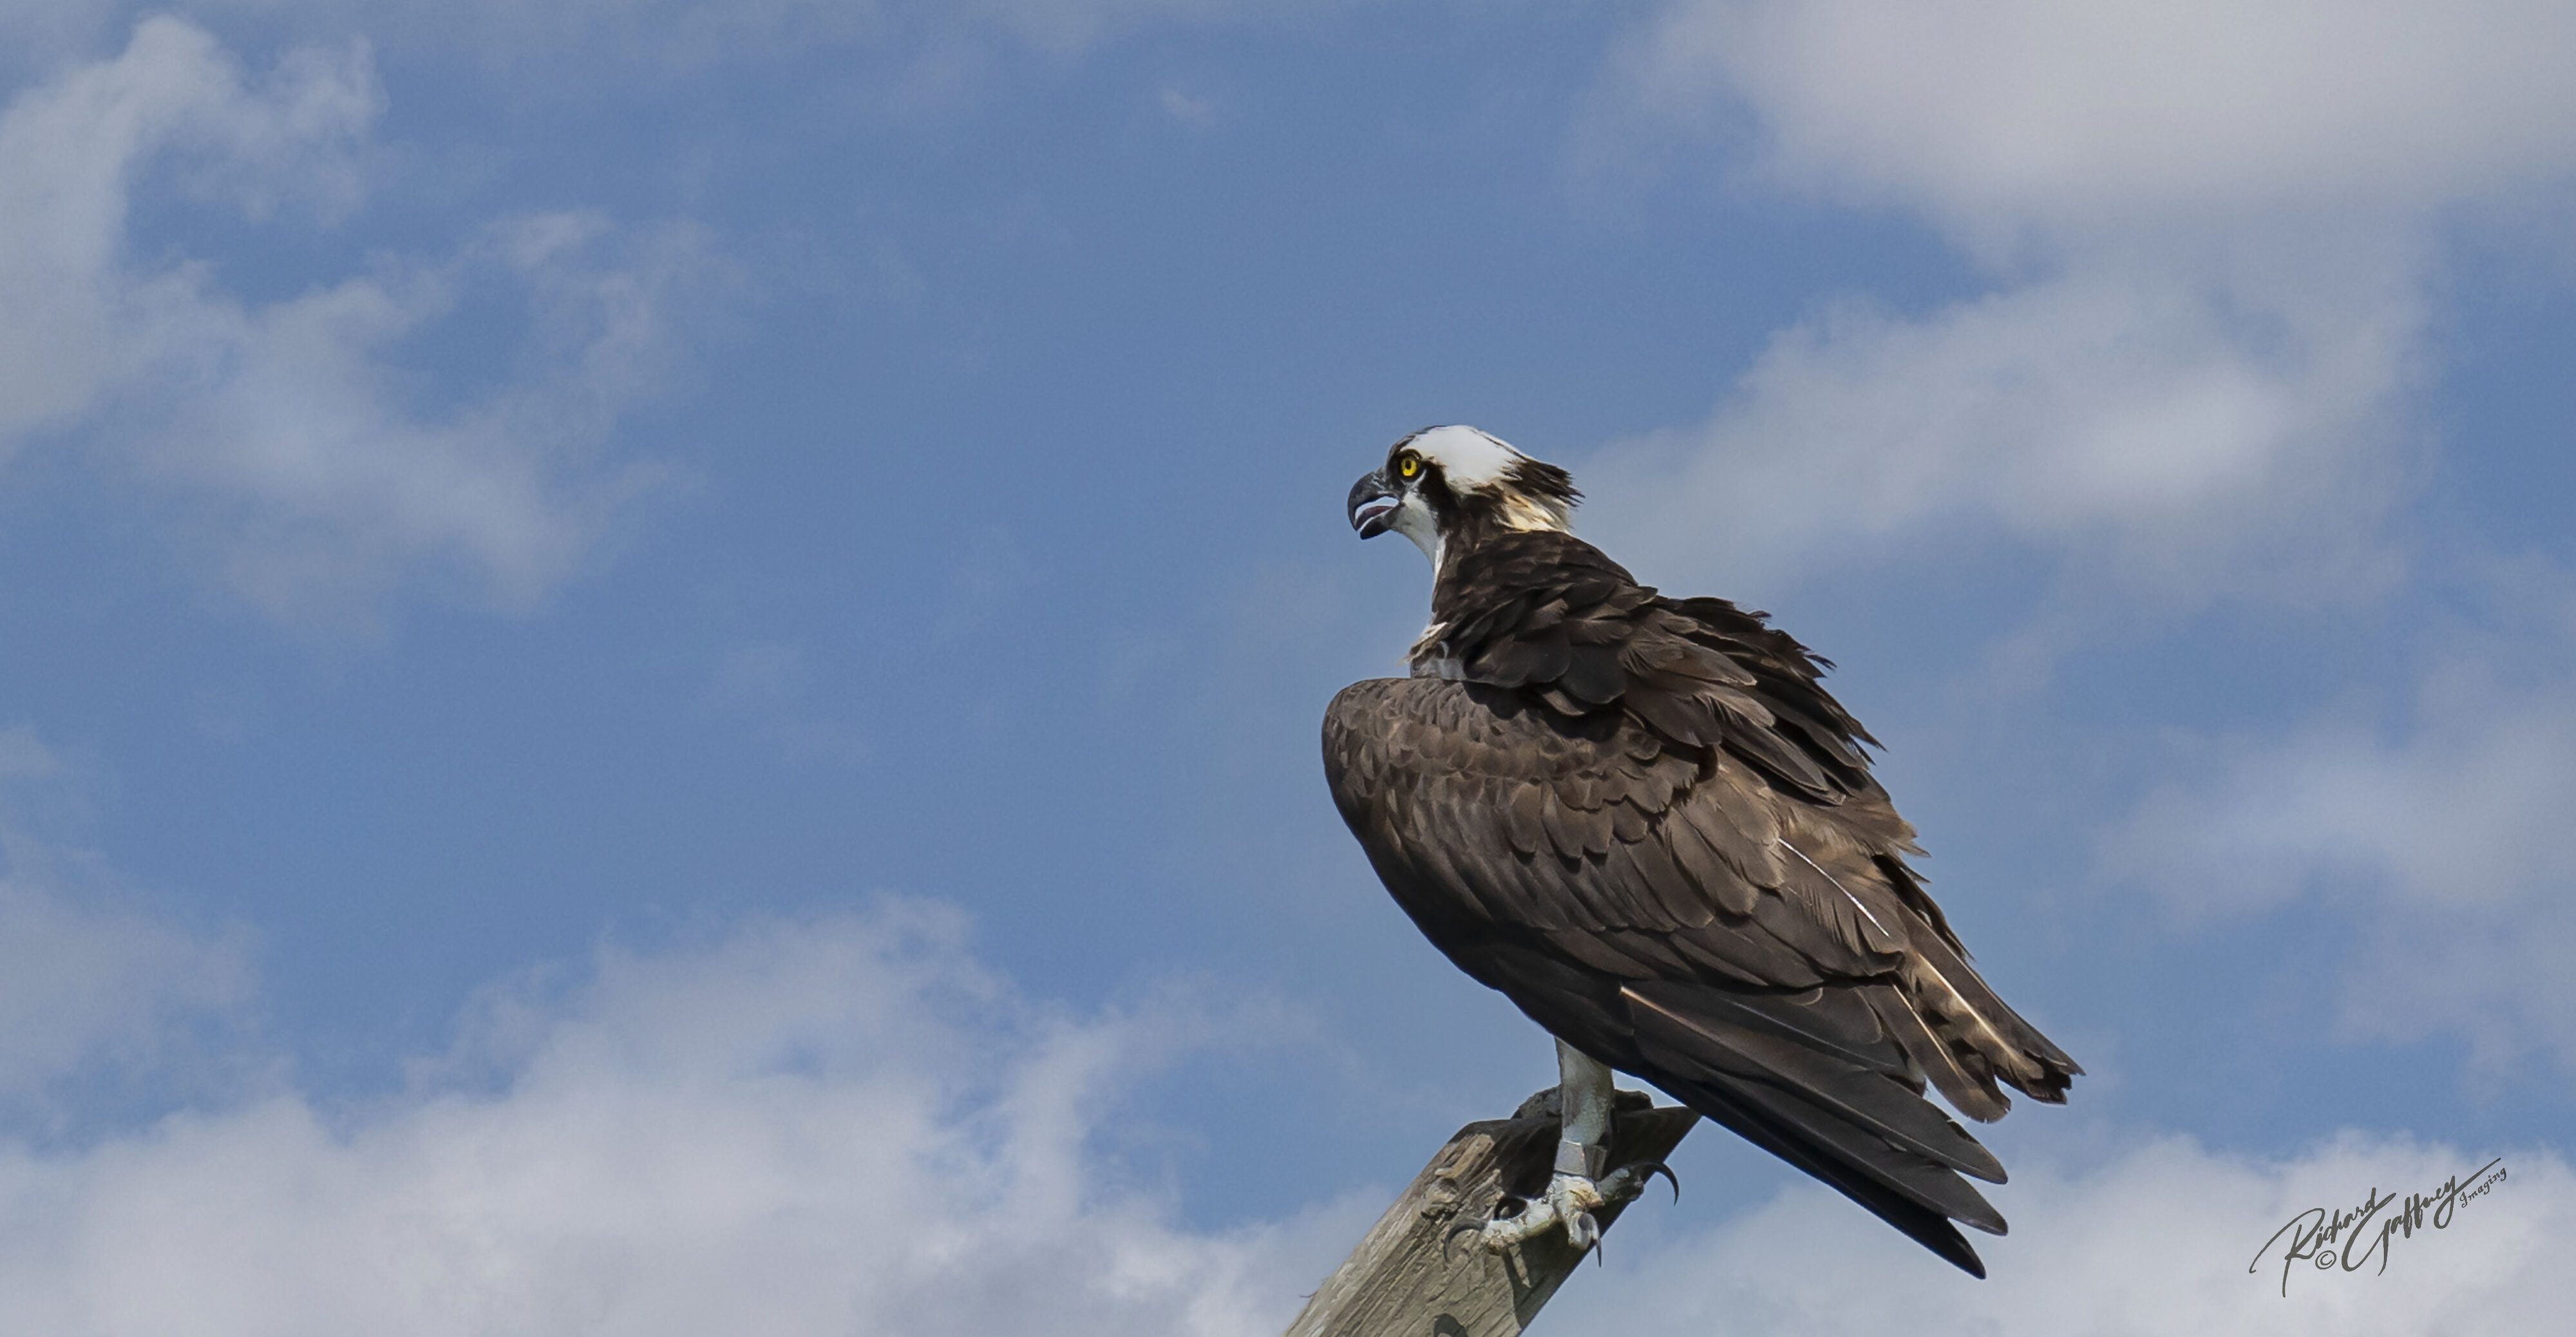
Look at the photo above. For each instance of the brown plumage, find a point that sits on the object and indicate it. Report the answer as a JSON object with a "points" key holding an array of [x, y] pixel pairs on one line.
{"points": [[1646, 822]]}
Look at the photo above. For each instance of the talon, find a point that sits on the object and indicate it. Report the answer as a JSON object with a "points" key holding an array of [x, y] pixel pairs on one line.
{"points": [[1649, 1169], [1631, 1179], [1569, 1202]]}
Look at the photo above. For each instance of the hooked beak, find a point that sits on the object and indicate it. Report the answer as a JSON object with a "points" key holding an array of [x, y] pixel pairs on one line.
{"points": [[1373, 505]]}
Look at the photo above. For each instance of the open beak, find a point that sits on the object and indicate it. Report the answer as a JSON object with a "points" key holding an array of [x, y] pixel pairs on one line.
{"points": [[1373, 505]]}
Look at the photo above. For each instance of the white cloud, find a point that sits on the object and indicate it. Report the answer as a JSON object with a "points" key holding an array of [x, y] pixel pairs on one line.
{"points": [[2134, 422], [829, 1126], [2005, 114], [2156, 1240], [2444, 838], [844, 1123], [291, 428], [2212, 233], [2462, 809], [69, 153], [92, 988]]}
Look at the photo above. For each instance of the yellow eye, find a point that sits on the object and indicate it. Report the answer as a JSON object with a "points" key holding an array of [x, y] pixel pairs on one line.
{"points": [[1408, 466]]}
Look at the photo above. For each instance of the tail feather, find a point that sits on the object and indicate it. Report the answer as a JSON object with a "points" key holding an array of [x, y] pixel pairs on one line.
{"points": [[1960, 1007], [1697, 1026], [1973, 1094], [1725, 1104], [1863, 1141]]}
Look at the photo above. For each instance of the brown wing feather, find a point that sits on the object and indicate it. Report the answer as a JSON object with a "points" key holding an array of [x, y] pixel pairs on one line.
{"points": [[1692, 911], [1545, 612]]}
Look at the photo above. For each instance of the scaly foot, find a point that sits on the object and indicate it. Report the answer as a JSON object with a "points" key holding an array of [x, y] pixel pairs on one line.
{"points": [[1570, 1201]]}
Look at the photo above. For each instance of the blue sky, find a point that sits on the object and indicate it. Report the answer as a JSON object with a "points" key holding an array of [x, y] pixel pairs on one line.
{"points": [[663, 660]]}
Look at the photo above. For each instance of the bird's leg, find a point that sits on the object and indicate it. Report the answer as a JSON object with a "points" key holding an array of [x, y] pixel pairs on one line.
{"points": [[1583, 1096], [1579, 1186]]}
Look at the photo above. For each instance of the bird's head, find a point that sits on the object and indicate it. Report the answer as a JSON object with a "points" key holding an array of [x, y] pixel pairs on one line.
{"points": [[1448, 485]]}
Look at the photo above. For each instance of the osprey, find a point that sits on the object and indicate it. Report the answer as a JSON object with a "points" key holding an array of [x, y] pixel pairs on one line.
{"points": [[1645, 822]]}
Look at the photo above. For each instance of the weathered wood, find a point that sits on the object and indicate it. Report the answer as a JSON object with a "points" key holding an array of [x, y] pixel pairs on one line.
{"points": [[1398, 1284]]}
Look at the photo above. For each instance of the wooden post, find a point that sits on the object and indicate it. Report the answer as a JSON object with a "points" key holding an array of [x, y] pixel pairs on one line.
{"points": [[1398, 1284]]}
